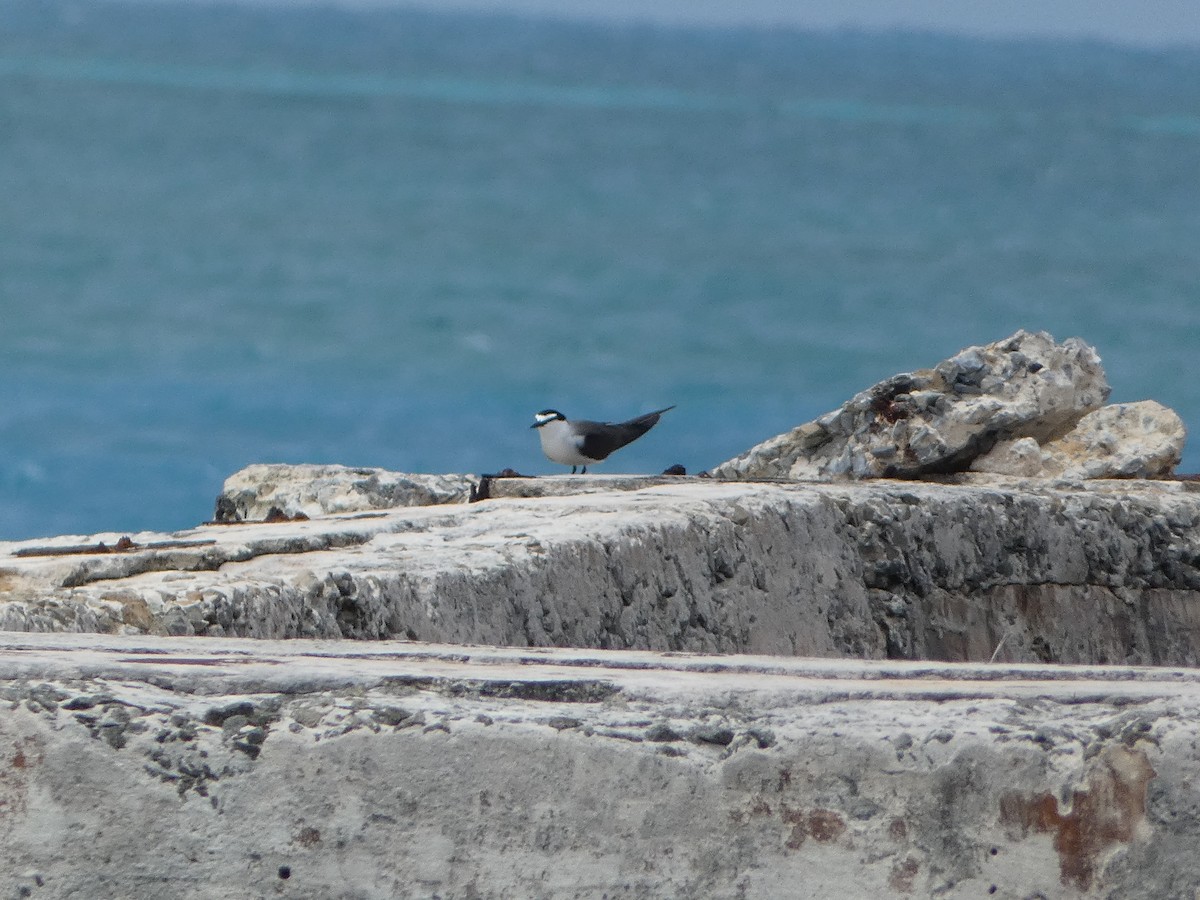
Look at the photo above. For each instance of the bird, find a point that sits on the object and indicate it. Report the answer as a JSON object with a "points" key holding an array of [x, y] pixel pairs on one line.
{"points": [[580, 442]]}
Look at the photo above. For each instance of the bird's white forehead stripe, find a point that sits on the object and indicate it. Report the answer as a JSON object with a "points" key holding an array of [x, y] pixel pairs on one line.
{"points": [[540, 417]]}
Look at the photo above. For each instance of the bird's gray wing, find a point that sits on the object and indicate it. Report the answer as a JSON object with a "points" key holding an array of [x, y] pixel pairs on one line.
{"points": [[602, 438], [598, 439]]}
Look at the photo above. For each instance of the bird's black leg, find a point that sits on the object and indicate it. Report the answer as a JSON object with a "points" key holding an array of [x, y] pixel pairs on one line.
{"points": [[573, 468], [583, 471]]}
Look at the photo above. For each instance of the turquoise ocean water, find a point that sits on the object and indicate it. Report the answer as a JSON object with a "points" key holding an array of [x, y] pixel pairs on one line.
{"points": [[236, 234]]}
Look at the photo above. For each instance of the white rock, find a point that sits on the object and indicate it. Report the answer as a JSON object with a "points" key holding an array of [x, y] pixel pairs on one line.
{"points": [[311, 490], [1125, 440], [938, 420], [1021, 458]]}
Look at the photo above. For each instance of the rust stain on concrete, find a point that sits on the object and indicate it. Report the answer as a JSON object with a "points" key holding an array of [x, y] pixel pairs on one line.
{"points": [[15, 776], [825, 825], [795, 818], [822, 825], [904, 872], [8, 581], [135, 612], [1104, 812]]}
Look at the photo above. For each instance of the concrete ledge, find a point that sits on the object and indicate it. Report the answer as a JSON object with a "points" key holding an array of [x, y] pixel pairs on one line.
{"points": [[1056, 572], [499, 487], [152, 767]]}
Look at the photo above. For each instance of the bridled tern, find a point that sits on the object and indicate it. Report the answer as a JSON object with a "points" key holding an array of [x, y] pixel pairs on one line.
{"points": [[581, 442]]}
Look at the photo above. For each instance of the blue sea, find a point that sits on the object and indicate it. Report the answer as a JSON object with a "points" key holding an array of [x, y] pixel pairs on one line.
{"points": [[233, 234]]}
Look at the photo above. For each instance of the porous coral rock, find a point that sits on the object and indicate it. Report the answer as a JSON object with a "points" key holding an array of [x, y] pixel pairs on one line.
{"points": [[938, 420]]}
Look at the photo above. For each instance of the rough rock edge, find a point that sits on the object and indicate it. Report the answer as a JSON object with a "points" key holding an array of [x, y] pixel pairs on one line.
{"points": [[1046, 572]]}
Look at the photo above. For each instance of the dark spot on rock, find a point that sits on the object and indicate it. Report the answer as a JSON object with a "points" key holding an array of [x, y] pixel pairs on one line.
{"points": [[662, 733], [390, 715], [253, 735], [764, 737], [218, 714], [40, 700], [722, 572], [251, 750], [226, 511], [308, 837], [113, 733], [1042, 650], [285, 872], [481, 491], [898, 829], [863, 809], [711, 734], [562, 723]]}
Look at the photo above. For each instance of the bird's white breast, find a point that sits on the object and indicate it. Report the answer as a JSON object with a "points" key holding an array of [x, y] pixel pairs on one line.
{"points": [[561, 445]]}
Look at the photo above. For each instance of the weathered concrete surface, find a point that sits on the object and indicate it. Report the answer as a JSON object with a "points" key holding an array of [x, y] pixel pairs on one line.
{"points": [[253, 493], [1125, 440], [938, 420], [196, 768], [264, 492], [1107, 573], [522, 487]]}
